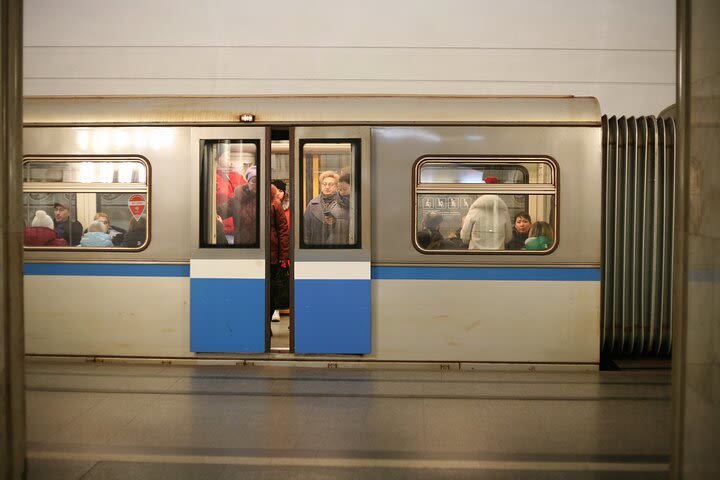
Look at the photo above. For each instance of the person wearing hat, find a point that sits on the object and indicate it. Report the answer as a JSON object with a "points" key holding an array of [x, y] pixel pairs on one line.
{"points": [[242, 208], [41, 233], [69, 230], [283, 197]]}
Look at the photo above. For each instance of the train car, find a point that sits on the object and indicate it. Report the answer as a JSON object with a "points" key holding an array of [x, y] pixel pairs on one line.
{"points": [[403, 244]]}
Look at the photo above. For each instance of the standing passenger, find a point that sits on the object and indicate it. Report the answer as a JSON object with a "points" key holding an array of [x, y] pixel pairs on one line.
{"points": [[242, 208], [283, 198], [325, 221], [279, 240], [226, 181], [487, 224]]}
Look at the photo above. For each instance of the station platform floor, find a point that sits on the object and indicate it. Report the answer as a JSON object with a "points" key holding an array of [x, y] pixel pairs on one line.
{"points": [[128, 421]]}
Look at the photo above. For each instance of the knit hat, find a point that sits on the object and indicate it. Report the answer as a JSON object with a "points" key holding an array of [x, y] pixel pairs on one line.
{"points": [[250, 173], [42, 219]]}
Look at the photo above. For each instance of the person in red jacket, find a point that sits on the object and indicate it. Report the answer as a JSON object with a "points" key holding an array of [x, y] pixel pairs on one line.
{"points": [[279, 240], [42, 233], [283, 198], [226, 181]]}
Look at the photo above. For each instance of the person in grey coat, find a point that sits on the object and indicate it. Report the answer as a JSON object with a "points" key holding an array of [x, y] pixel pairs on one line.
{"points": [[325, 220]]}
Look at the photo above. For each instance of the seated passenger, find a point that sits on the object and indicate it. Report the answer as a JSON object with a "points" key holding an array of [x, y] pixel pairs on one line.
{"points": [[430, 237], [541, 237], [137, 232], [41, 233], [70, 231], [116, 233], [487, 224], [521, 227], [96, 236]]}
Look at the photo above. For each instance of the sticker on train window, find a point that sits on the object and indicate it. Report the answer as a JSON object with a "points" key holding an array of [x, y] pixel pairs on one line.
{"points": [[485, 205]]}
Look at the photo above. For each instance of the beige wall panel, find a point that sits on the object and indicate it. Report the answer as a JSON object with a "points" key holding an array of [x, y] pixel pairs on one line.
{"points": [[478, 321], [621, 51], [574, 24], [118, 316]]}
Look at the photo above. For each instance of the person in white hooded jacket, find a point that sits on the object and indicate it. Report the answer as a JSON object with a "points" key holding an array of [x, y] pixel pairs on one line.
{"points": [[487, 224]]}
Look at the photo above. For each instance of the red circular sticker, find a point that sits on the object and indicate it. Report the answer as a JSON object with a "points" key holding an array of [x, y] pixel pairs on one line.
{"points": [[136, 203]]}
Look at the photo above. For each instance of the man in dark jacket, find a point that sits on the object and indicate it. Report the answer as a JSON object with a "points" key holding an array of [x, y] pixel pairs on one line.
{"points": [[71, 231]]}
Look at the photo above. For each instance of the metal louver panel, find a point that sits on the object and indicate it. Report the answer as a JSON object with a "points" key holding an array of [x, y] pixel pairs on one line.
{"points": [[638, 208]]}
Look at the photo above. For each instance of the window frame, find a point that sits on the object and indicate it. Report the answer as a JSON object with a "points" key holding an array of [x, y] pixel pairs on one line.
{"points": [[93, 188], [357, 169], [552, 188], [204, 185]]}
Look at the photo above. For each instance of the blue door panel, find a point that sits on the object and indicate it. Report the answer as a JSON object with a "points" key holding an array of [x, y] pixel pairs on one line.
{"points": [[332, 316], [227, 315]]}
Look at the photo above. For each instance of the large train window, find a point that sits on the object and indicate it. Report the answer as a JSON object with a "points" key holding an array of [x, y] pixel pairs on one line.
{"points": [[92, 202], [485, 205], [230, 197], [330, 193]]}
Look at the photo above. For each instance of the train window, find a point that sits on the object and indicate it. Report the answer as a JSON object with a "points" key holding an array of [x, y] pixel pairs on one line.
{"points": [[93, 202], [229, 193], [330, 193], [485, 205]]}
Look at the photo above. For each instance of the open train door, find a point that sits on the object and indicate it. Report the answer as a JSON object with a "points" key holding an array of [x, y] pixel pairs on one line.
{"points": [[227, 258], [331, 267]]}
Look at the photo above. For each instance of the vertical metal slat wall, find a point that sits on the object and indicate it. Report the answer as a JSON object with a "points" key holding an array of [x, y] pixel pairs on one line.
{"points": [[638, 175]]}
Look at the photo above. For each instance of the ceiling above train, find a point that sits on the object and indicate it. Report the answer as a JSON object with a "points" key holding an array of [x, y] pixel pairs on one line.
{"points": [[309, 110]]}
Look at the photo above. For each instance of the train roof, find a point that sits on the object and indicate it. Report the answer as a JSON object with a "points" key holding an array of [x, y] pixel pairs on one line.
{"points": [[311, 109]]}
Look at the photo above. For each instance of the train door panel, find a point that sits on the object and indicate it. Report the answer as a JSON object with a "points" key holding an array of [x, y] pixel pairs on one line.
{"points": [[227, 259], [332, 241]]}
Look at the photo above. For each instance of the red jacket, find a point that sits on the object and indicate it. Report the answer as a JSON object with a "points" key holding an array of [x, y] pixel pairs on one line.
{"points": [[225, 186], [279, 231], [42, 236]]}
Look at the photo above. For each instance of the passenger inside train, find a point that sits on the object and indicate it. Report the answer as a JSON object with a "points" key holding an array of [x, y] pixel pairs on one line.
{"points": [[41, 232], [137, 233], [476, 200], [326, 219], [487, 224], [96, 236], [540, 236], [116, 233], [69, 230], [521, 226], [242, 208]]}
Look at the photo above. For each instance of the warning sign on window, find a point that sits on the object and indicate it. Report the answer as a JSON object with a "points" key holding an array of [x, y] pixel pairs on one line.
{"points": [[136, 203]]}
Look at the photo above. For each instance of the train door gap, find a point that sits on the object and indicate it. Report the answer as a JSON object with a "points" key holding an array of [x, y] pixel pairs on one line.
{"points": [[280, 324]]}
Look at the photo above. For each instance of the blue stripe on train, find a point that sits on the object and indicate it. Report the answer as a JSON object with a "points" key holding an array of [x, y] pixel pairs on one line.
{"points": [[107, 269], [378, 273], [486, 273]]}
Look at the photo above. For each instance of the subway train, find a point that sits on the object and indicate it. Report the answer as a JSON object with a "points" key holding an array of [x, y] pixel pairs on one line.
{"points": [[405, 235]]}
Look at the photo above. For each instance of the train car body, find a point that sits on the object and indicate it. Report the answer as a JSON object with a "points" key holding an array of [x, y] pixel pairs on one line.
{"points": [[196, 287]]}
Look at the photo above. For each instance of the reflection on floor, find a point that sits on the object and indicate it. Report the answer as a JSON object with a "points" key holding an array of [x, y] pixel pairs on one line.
{"points": [[108, 421], [281, 334]]}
